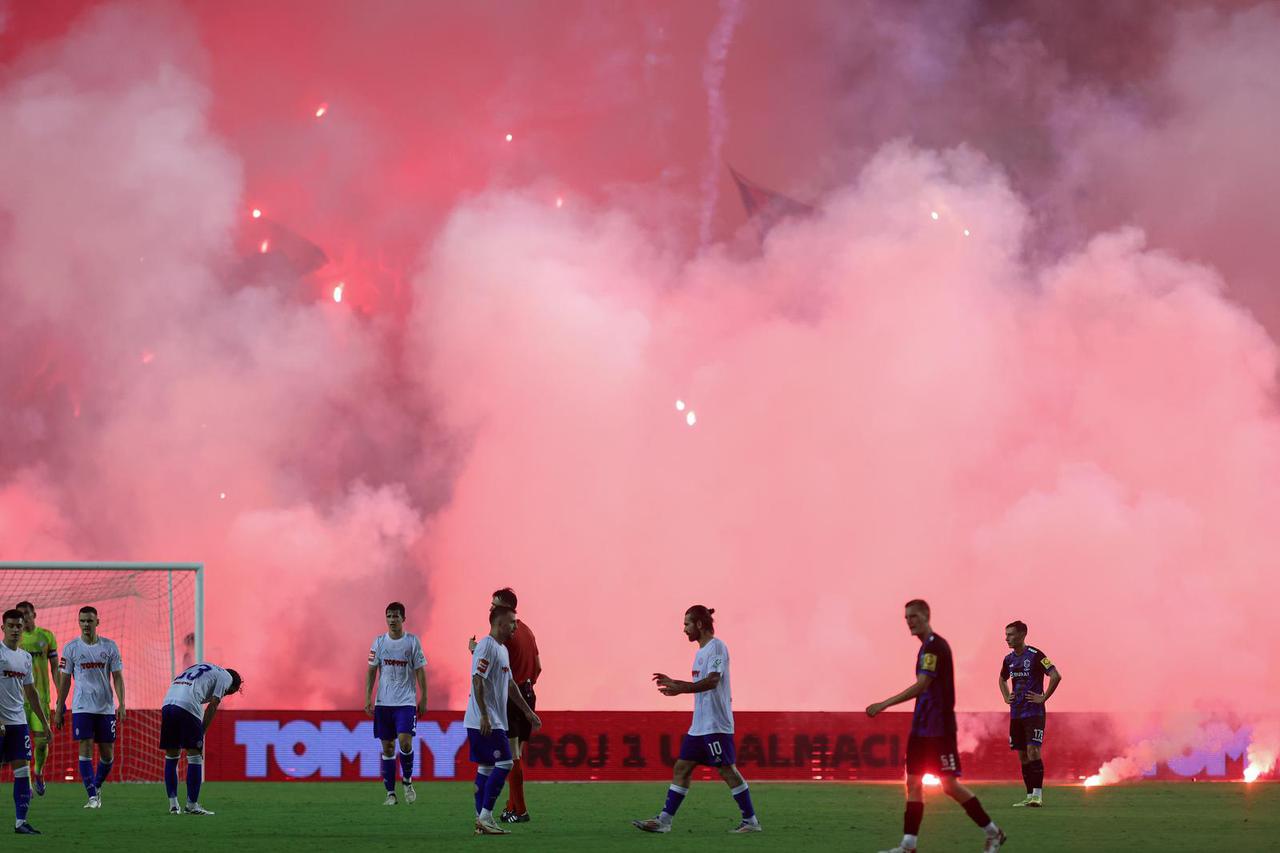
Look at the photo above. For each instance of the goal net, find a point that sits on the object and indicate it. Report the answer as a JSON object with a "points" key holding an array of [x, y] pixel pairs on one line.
{"points": [[154, 612]]}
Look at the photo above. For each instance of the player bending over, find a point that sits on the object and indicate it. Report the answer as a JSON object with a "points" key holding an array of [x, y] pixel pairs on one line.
{"points": [[16, 685], [1026, 666], [43, 648], [486, 717], [397, 663], [94, 663], [184, 720], [931, 746], [710, 737]]}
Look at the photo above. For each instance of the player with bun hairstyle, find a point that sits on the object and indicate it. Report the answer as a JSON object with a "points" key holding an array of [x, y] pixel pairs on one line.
{"points": [[710, 737]]}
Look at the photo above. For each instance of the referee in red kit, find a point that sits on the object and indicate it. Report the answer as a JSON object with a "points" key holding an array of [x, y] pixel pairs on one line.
{"points": [[525, 669]]}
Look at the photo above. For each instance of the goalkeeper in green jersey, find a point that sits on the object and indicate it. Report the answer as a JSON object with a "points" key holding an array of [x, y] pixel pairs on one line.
{"points": [[43, 648]]}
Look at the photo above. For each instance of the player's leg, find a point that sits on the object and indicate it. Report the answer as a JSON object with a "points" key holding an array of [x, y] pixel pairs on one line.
{"points": [[39, 744], [1035, 764], [171, 733], [495, 751], [106, 758], [83, 735], [918, 761], [384, 729], [15, 750], [195, 780], [691, 755], [953, 788], [517, 810], [742, 796], [405, 742]]}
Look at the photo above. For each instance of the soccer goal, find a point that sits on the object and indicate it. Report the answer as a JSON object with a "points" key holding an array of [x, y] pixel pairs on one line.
{"points": [[154, 611]]}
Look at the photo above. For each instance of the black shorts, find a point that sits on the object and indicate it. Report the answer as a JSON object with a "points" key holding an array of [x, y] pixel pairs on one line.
{"points": [[1026, 732], [936, 755], [518, 725]]}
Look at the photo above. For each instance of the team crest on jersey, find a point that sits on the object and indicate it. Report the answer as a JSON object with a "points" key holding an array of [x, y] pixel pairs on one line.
{"points": [[1026, 664], [929, 662], [483, 666]]}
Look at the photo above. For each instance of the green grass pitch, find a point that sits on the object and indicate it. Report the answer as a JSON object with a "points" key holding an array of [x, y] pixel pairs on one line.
{"points": [[263, 816]]}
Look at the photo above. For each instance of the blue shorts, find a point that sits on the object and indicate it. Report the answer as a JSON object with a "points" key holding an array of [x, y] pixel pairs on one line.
{"points": [[716, 750], [488, 750], [180, 729], [15, 745], [99, 728], [391, 720]]}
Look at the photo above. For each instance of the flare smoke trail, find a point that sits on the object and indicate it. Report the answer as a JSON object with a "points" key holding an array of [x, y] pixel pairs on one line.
{"points": [[717, 122], [1021, 362]]}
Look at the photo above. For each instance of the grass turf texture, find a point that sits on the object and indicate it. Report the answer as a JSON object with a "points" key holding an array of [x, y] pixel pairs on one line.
{"points": [[254, 816]]}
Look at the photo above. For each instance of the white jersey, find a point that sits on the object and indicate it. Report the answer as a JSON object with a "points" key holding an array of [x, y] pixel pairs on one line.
{"points": [[195, 686], [397, 661], [15, 671], [491, 662], [91, 665], [712, 709]]}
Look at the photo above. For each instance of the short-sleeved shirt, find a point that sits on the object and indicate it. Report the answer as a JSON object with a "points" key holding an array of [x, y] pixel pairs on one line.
{"points": [[1027, 671], [397, 661], [41, 645], [935, 714], [522, 648], [90, 666], [15, 672], [491, 662], [712, 709], [196, 685]]}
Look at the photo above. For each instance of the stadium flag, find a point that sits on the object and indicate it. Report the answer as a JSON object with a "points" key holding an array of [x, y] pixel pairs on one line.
{"points": [[765, 207]]}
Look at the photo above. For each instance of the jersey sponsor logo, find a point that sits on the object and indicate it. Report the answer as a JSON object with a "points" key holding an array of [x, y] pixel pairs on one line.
{"points": [[93, 665], [930, 662], [390, 662], [483, 666], [8, 673]]}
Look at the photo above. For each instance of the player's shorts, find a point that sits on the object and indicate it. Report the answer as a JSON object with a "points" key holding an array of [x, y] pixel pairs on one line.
{"points": [[1026, 732], [488, 750], [15, 744], [99, 728], [936, 755], [180, 729], [518, 725], [716, 750], [37, 730], [392, 720]]}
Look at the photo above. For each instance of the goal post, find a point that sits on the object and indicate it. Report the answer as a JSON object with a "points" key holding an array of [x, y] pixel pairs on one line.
{"points": [[153, 611]]}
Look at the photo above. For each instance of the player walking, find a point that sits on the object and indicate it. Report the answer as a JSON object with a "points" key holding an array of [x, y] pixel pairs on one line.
{"points": [[43, 648], [94, 663], [184, 719], [710, 737], [16, 684], [397, 663], [486, 717], [526, 666], [931, 746], [1026, 666]]}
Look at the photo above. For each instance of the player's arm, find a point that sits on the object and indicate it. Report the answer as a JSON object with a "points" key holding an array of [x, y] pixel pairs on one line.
{"points": [[117, 678], [923, 681], [53, 659], [1004, 687], [477, 690], [60, 709], [34, 703], [210, 712], [369, 678], [513, 690], [668, 686], [537, 666], [421, 675], [1055, 678]]}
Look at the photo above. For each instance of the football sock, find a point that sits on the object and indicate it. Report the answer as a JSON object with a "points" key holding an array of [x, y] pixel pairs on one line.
{"points": [[515, 789], [743, 796], [171, 777], [21, 793], [1026, 776], [389, 774], [911, 819], [977, 813], [675, 796], [493, 788], [104, 770], [195, 775], [1037, 773], [406, 766], [482, 777], [86, 776]]}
